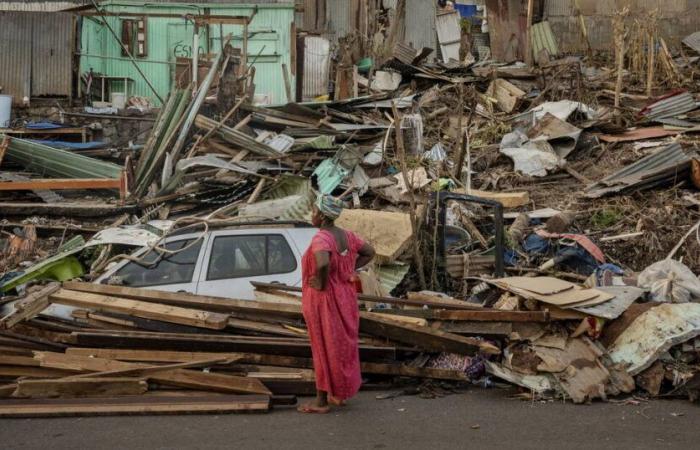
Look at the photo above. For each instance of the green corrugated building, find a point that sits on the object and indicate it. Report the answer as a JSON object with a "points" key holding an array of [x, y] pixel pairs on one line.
{"points": [[270, 43]]}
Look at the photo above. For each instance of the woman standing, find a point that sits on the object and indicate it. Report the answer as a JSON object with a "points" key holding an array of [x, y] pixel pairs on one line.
{"points": [[329, 303]]}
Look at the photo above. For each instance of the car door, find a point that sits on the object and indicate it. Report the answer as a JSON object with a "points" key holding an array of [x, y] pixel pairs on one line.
{"points": [[234, 258], [176, 270]]}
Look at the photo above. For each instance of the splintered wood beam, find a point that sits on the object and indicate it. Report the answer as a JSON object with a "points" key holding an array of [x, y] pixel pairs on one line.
{"points": [[188, 300], [165, 313], [81, 387], [29, 306], [174, 377], [425, 338]]}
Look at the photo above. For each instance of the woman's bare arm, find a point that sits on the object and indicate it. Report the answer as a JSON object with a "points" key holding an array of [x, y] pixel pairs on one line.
{"points": [[320, 281], [364, 255]]}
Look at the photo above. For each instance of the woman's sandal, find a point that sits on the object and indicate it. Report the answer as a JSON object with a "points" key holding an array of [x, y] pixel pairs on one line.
{"points": [[311, 409], [336, 401]]}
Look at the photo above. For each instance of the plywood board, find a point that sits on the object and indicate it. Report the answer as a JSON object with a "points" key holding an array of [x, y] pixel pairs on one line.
{"points": [[538, 285], [507, 199], [390, 233], [165, 313]]}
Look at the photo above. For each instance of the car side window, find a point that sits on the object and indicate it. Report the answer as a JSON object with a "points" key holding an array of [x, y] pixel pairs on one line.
{"points": [[166, 268], [250, 256]]}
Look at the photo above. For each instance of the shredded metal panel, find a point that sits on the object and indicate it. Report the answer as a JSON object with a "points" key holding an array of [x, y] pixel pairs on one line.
{"points": [[53, 162], [693, 41], [420, 25], [650, 171], [449, 35], [317, 57], [669, 106]]}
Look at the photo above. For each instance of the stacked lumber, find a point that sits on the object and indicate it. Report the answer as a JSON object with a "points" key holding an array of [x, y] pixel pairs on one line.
{"points": [[138, 351]]}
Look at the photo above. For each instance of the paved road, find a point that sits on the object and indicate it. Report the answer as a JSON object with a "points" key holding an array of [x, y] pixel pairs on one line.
{"points": [[477, 419]]}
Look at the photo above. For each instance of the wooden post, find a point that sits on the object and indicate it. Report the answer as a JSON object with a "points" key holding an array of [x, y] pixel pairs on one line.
{"points": [[287, 84], [401, 151], [651, 61], [528, 33], [619, 36]]}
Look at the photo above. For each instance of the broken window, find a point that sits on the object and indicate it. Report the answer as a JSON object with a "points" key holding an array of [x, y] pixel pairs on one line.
{"points": [[158, 269], [135, 37]]}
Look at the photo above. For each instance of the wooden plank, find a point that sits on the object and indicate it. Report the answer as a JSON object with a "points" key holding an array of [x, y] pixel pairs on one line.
{"points": [[29, 306], [217, 343], [61, 184], [80, 387], [477, 328], [423, 337], [538, 285], [177, 377], [66, 209], [177, 356], [141, 405], [415, 299], [483, 315], [3, 147], [146, 310], [187, 300], [507, 199], [402, 370]]}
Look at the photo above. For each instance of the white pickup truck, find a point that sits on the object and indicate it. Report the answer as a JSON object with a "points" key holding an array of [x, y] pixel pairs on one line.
{"points": [[219, 263]]}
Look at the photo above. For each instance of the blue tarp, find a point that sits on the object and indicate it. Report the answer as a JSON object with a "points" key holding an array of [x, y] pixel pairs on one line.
{"points": [[43, 126], [63, 145]]}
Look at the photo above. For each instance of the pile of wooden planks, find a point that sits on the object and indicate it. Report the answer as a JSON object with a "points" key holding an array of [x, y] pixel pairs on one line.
{"points": [[150, 352]]}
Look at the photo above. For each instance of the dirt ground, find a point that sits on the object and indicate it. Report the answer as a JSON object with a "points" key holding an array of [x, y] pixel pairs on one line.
{"points": [[478, 418]]}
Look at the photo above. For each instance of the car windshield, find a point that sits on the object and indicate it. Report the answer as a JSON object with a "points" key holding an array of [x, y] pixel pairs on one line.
{"points": [[156, 268]]}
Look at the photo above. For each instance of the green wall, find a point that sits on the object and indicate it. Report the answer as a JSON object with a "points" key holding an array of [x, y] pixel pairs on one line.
{"points": [[270, 45]]}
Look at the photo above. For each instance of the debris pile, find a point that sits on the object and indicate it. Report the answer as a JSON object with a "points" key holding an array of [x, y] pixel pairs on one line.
{"points": [[536, 224]]}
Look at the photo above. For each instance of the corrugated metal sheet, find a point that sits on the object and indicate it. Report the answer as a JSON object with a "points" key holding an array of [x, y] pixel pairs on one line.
{"points": [[52, 50], [316, 67], [693, 41], [16, 54], [339, 18], [449, 35], [669, 106], [270, 45], [390, 275], [420, 24], [543, 39], [648, 172], [40, 5], [35, 50]]}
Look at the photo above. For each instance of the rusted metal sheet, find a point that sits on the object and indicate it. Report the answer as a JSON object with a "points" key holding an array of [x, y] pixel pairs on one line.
{"points": [[16, 54], [653, 170], [670, 105], [507, 25], [52, 45], [654, 332], [316, 67], [35, 50]]}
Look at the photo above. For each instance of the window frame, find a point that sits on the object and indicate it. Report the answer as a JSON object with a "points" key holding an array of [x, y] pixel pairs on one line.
{"points": [[267, 271]]}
